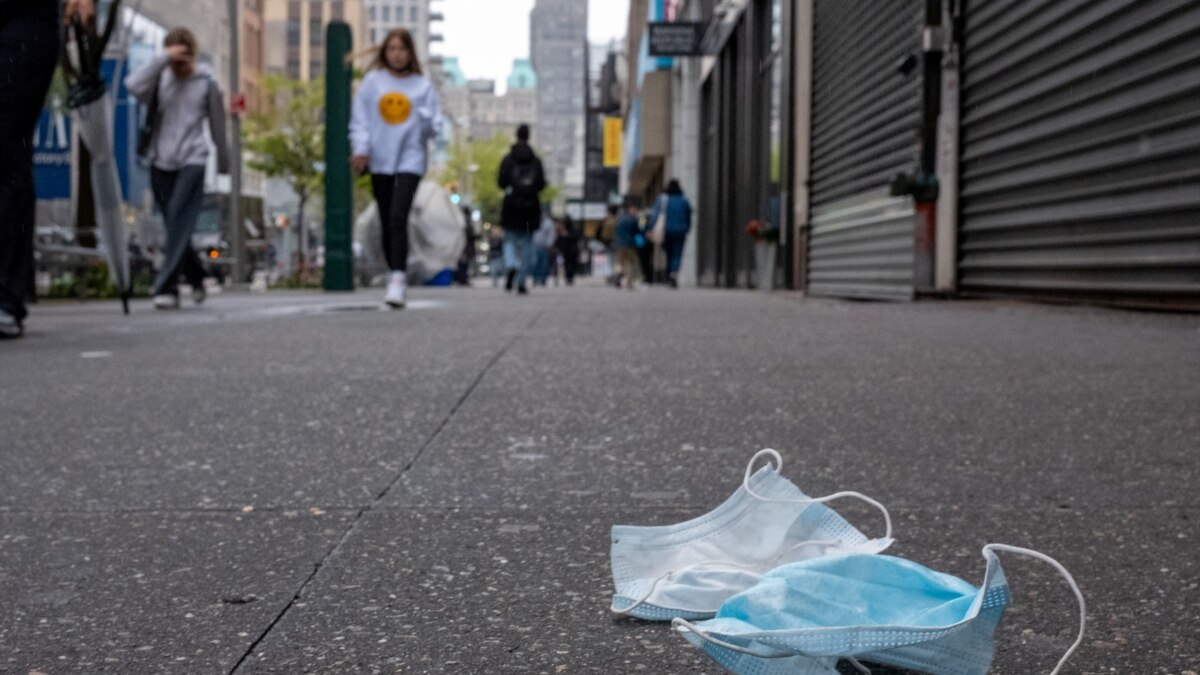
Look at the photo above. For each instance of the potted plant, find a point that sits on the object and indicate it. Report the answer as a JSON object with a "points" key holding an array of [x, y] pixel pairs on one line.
{"points": [[766, 250]]}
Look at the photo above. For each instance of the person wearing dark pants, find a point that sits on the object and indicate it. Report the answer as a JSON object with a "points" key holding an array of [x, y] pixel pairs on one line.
{"points": [[568, 245], [395, 113], [645, 256], [179, 195], [185, 96], [678, 215], [522, 177], [673, 248], [394, 197], [29, 38]]}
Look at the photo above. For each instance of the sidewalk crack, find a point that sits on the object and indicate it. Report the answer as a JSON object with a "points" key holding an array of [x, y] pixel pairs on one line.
{"points": [[378, 498]]}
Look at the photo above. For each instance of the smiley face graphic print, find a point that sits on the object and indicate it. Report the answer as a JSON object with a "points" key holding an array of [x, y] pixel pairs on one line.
{"points": [[395, 108], [392, 120]]}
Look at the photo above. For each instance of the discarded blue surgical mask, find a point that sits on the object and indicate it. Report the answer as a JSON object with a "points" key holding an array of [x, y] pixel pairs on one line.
{"points": [[802, 617], [687, 570]]}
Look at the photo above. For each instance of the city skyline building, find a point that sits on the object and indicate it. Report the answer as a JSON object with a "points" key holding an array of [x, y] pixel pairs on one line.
{"points": [[295, 34], [557, 48], [479, 113], [415, 15]]}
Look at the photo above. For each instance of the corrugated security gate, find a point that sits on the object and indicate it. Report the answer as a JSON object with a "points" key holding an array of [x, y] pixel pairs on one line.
{"points": [[865, 129], [1081, 149]]}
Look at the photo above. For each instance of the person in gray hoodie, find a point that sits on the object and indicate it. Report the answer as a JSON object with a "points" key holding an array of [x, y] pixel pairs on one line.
{"points": [[182, 96], [395, 114]]}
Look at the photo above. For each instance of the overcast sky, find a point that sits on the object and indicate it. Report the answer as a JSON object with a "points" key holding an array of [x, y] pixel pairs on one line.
{"points": [[486, 35]]}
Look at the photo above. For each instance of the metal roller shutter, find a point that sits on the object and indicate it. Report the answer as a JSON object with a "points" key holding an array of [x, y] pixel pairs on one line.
{"points": [[1081, 149], [865, 125]]}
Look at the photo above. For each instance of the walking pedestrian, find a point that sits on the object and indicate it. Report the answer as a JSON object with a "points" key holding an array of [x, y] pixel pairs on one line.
{"points": [[678, 213], [646, 253], [522, 178], [29, 42], [466, 260], [607, 236], [495, 254], [628, 242], [568, 247], [395, 113], [543, 251], [182, 96]]}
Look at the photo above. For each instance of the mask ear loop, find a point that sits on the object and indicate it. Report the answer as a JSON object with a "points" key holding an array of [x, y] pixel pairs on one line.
{"points": [[1070, 580], [685, 625], [774, 454]]}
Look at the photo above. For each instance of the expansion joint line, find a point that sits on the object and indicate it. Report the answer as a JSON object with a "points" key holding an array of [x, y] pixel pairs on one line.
{"points": [[358, 516]]}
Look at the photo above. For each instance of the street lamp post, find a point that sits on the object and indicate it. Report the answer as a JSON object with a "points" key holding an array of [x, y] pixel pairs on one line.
{"points": [[472, 169], [235, 120]]}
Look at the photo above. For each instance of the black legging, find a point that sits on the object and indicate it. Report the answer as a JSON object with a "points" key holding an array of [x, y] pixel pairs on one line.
{"points": [[394, 196], [28, 52]]}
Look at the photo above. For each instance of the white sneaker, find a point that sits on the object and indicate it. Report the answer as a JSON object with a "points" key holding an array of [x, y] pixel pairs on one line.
{"points": [[166, 301], [397, 290], [9, 326]]}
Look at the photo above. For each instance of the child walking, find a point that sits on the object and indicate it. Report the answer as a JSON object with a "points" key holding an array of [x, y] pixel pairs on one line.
{"points": [[395, 113]]}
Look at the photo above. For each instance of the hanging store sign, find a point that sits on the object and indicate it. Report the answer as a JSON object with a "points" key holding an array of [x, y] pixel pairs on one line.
{"points": [[675, 38], [721, 26], [613, 140]]}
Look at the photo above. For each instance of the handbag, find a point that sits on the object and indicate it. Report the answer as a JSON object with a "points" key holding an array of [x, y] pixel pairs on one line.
{"points": [[658, 233], [146, 132]]}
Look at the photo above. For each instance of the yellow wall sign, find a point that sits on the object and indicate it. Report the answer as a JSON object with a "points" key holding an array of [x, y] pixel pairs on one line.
{"points": [[612, 142]]}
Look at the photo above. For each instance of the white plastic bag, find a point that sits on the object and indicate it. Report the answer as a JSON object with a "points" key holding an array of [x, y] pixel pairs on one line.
{"points": [[436, 235]]}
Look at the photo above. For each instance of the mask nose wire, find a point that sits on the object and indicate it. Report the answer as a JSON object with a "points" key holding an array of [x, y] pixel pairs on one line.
{"points": [[774, 454], [752, 566], [1065, 575]]}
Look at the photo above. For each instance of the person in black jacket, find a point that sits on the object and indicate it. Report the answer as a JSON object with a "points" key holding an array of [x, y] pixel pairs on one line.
{"points": [[522, 178], [29, 42]]}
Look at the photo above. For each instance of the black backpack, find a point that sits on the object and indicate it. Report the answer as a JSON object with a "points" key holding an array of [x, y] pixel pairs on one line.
{"points": [[525, 184]]}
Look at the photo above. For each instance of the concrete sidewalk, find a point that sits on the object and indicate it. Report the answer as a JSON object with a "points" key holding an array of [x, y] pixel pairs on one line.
{"points": [[300, 483]]}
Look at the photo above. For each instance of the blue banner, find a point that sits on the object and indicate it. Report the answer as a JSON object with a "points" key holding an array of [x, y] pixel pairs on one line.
{"points": [[52, 155], [52, 143]]}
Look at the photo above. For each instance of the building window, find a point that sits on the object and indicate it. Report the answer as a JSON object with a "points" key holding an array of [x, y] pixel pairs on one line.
{"points": [[314, 23], [413, 14], [387, 13]]}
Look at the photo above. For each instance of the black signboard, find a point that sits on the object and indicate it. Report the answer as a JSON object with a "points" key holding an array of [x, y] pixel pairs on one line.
{"points": [[675, 38]]}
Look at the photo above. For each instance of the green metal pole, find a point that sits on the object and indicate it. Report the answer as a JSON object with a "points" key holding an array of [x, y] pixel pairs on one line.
{"points": [[339, 200]]}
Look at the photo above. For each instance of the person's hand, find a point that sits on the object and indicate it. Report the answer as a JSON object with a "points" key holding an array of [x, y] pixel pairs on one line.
{"points": [[360, 163], [178, 53], [84, 9]]}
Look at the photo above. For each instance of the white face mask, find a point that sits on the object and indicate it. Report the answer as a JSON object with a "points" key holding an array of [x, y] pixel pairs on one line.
{"points": [[687, 570]]}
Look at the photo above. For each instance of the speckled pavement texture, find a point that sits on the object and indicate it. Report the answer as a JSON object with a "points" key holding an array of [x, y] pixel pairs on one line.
{"points": [[302, 483]]}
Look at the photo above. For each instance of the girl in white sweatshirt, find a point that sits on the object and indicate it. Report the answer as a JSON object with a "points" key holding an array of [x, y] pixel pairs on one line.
{"points": [[395, 113]]}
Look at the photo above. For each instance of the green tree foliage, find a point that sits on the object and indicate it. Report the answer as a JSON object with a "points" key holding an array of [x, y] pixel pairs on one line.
{"points": [[288, 140], [481, 186]]}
